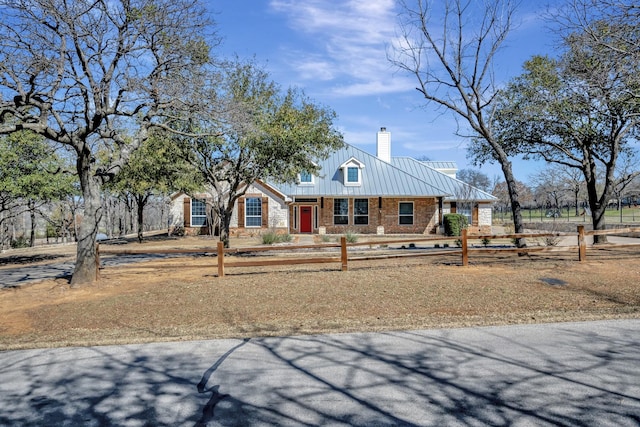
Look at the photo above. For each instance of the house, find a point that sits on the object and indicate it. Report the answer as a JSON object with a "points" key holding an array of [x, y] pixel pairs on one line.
{"points": [[354, 191]]}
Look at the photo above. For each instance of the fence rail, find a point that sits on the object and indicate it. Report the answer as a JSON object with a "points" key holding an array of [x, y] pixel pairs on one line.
{"points": [[463, 249]]}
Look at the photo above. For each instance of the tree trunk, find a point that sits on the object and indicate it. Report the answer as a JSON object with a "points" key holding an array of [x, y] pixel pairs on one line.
{"points": [[225, 224], [598, 205], [516, 209], [32, 214], [141, 201], [598, 221], [86, 268], [129, 206]]}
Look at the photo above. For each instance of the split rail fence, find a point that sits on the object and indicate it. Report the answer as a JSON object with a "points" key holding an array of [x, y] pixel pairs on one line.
{"points": [[463, 249]]}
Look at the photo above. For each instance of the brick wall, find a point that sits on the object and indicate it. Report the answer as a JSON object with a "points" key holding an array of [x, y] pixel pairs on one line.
{"points": [[424, 217]]}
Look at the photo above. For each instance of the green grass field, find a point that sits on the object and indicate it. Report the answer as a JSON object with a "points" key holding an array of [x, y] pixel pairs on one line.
{"points": [[612, 216]]}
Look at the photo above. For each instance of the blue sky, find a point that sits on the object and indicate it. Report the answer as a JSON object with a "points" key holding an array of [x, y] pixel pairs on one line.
{"points": [[336, 51]]}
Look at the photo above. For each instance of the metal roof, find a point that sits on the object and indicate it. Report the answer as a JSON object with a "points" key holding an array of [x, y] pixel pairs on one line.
{"points": [[378, 178], [403, 177], [448, 165], [458, 190]]}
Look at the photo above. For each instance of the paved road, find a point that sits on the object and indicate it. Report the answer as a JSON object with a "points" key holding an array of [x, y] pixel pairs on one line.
{"points": [[574, 374], [18, 276]]}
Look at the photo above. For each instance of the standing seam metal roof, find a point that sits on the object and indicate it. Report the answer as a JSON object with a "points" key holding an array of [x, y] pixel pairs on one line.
{"points": [[454, 187], [400, 178]]}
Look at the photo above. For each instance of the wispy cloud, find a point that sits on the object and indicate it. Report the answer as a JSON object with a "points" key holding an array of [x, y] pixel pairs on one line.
{"points": [[347, 44]]}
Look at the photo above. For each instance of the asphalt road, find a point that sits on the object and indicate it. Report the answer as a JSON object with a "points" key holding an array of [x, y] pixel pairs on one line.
{"points": [[572, 374], [24, 274]]}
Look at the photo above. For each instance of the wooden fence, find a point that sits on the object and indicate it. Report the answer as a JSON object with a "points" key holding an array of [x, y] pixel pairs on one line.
{"points": [[463, 248]]}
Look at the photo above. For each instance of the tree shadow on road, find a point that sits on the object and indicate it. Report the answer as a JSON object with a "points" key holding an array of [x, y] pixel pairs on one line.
{"points": [[483, 376]]}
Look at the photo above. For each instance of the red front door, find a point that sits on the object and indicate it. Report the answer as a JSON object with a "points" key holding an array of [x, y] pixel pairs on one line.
{"points": [[305, 219]]}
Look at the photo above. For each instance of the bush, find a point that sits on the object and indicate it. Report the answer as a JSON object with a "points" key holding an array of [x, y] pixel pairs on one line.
{"points": [[454, 224], [271, 237], [51, 231], [351, 237], [20, 242]]}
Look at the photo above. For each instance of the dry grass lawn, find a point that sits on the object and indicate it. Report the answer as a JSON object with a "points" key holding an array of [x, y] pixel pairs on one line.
{"points": [[150, 302]]}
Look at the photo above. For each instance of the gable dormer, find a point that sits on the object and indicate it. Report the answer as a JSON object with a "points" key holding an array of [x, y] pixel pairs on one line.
{"points": [[352, 172]]}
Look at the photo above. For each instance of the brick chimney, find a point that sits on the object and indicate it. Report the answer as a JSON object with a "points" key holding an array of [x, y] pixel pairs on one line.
{"points": [[383, 145]]}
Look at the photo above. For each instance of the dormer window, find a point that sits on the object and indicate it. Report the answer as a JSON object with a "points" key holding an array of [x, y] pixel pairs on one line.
{"points": [[306, 178], [353, 175], [352, 172]]}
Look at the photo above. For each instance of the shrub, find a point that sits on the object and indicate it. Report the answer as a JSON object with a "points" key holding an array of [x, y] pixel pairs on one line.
{"points": [[351, 237], [51, 231], [271, 237], [286, 238], [552, 240], [20, 242], [485, 241], [454, 223]]}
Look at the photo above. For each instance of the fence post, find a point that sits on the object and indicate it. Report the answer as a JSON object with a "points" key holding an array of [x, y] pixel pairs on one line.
{"points": [[582, 245], [220, 257], [465, 252], [343, 253]]}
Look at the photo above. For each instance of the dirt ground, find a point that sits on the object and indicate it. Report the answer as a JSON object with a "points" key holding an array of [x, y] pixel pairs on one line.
{"points": [[183, 299]]}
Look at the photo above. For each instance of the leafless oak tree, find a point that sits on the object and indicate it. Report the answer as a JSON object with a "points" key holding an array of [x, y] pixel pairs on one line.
{"points": [[450, 48]]}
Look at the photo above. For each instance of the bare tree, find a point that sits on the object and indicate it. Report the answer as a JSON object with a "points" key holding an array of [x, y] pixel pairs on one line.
{"points": [[557, 186], [501, 191], [621, 40], [627, 172], [450, 49], [475, 178], [97, 75]]}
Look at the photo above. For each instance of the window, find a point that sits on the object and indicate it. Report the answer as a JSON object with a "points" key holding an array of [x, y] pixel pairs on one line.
{"points": [[405, 213], [353, 174], [361, 211], [465, 209], [198, 212], [341, 211], [306, 178], [253, 212]]}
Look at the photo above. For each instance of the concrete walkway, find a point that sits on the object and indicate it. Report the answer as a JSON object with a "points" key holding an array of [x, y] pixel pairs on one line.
{"points": [[571, 374], [304, 239]]}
